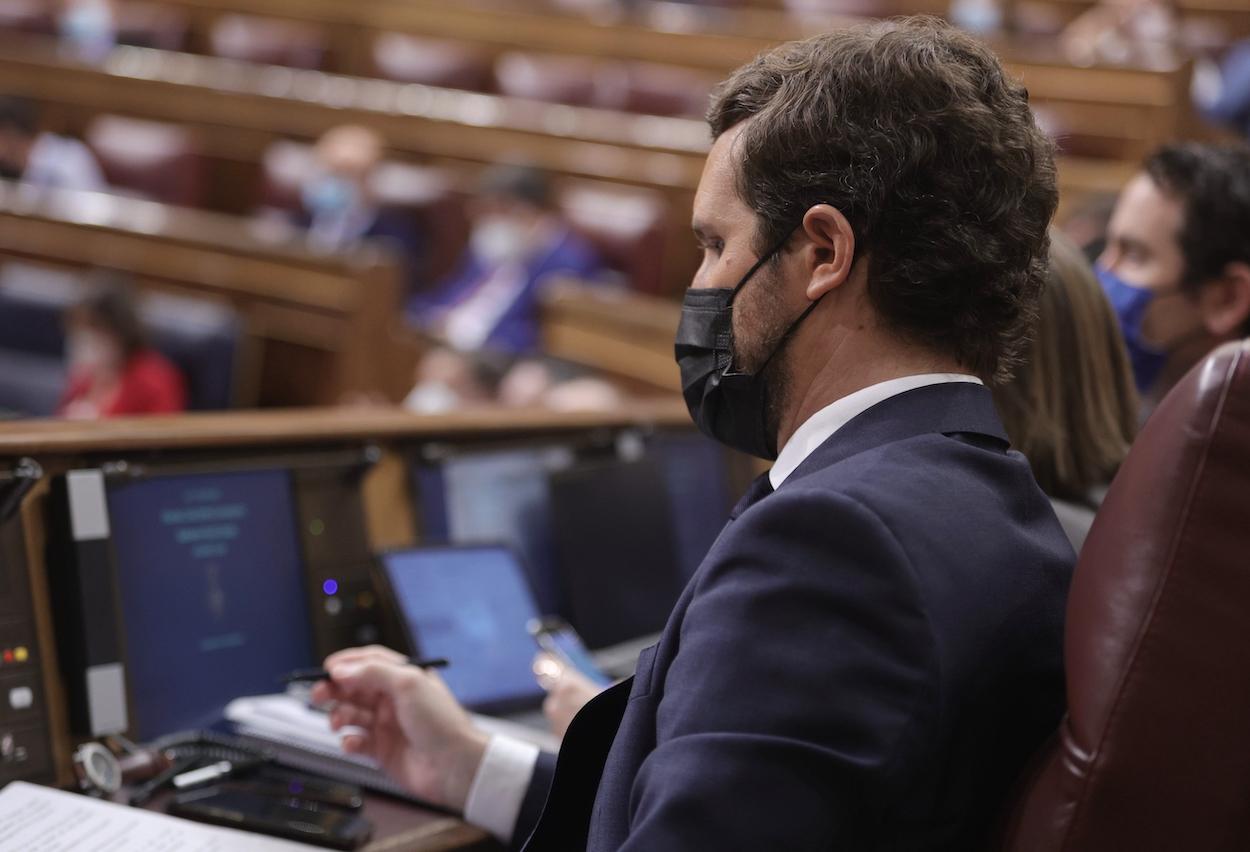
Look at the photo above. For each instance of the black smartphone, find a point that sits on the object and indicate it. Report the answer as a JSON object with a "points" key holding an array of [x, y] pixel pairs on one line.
{"points": [[292, 818], [558, 638], [271, 781]]}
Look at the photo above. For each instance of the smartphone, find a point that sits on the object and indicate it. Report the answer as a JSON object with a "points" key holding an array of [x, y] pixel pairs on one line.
{"points": [[558, 638], [274, 782], [292, 818]]}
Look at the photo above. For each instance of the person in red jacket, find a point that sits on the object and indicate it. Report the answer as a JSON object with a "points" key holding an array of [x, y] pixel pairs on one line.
{"points": [[113, 371]]}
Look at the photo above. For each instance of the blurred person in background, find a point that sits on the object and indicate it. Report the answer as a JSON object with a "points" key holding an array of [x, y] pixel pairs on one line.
{"points": [[87, 28], [1176, 267], [340, 206], [518, 243], [113, 371], [1071, 408], [448, 379], [43, 159]]}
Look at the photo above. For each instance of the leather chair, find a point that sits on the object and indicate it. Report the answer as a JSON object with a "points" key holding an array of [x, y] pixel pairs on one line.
{"points": [[627, 226], [555, 79], [654, 89], [431, 62], [151, 159], [27, 16], [268, 41], [1154, 753], [152, 25]]}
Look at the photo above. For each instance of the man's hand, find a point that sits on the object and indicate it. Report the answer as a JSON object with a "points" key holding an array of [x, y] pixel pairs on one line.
{"points": [[568, 691], [409, 722]]}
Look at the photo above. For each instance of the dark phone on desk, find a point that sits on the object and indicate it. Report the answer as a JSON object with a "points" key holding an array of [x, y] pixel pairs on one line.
{"points": [[558, 638], [272, 781], [292, 818]]}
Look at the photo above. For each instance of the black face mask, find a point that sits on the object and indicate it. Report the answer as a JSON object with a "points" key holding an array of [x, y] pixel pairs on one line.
{"points": [[727, 405]]}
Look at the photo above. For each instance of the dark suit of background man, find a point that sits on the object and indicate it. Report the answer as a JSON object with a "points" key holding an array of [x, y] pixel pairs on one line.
{"points": [[871, 649]]}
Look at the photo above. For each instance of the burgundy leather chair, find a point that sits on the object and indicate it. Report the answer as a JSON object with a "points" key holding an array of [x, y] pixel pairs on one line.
{"points": [[1154, 753], [27, 16], [628, 227], [152, 25], [654, 89], [268, 41], [432, 62], [149, 158], [542, 77]]}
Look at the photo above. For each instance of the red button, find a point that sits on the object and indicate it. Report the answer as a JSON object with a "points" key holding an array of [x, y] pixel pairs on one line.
{"points": [[8, 655]]}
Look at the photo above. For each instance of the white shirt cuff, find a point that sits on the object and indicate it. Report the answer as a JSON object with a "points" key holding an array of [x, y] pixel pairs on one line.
{"points": [[499, 787]]}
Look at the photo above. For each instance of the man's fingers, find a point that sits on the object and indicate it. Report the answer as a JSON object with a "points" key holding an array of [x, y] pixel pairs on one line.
{"points": [[362, 682], [369, 653], [346, 715]]}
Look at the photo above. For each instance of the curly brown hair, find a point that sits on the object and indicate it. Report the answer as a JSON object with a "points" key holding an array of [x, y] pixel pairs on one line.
{"points": [[916, 133]]}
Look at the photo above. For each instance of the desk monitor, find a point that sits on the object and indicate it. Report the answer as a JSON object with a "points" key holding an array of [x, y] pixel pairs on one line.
{"points": [[472, 605], [211, 592], [497, 495]]}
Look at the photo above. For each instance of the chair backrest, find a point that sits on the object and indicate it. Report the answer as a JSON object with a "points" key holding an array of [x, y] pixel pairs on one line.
{"points": [[153, 159], [1154, 753], [152, 25], [628, 226], [269, 41], [431, 62]]}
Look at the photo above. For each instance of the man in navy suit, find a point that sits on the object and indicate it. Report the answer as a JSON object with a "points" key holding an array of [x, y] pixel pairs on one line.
{"points": [[518, 245], [872, 647]]}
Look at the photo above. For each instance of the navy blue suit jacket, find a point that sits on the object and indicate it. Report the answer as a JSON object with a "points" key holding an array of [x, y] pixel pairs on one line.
{"points": [[864, 661]]}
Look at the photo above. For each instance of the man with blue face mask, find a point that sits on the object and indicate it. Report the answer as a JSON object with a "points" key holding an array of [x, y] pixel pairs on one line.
{"points": [[1177, 263], [872, 648], [340, 206]]}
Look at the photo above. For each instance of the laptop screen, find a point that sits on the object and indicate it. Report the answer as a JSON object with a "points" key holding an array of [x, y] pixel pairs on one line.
{"points": [[471, 605]]}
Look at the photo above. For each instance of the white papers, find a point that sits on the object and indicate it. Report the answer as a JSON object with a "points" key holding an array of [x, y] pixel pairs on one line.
{"points": [[287, 719], [41, 819]]}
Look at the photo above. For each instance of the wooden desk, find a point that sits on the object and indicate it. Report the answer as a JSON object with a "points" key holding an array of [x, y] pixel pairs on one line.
{"points": [[234, 438]]}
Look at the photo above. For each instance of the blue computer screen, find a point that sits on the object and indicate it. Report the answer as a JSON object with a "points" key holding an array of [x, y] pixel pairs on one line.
{"points": [[212, 593], [470, 605], [497, 496]]}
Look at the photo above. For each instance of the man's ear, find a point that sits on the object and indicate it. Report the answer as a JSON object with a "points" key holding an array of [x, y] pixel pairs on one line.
{"points": [[832, 249], [1225, 302]]}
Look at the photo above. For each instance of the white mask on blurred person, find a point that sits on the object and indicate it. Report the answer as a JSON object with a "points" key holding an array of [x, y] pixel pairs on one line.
{"points": [[432, 398], [88, 26], [329, 196], [90, 352], [497, 240]]}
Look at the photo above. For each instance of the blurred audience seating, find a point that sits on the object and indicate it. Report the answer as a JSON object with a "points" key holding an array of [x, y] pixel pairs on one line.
{"points": [[203, 339], [236, 115], [152, 159], [313, 326]]}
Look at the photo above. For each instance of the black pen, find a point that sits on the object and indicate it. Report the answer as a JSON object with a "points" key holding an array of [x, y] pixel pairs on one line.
{"points": [[314, 675]]}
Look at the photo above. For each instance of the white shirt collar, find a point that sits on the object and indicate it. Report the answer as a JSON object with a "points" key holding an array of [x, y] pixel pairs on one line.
{"points": [[817, 428]]}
